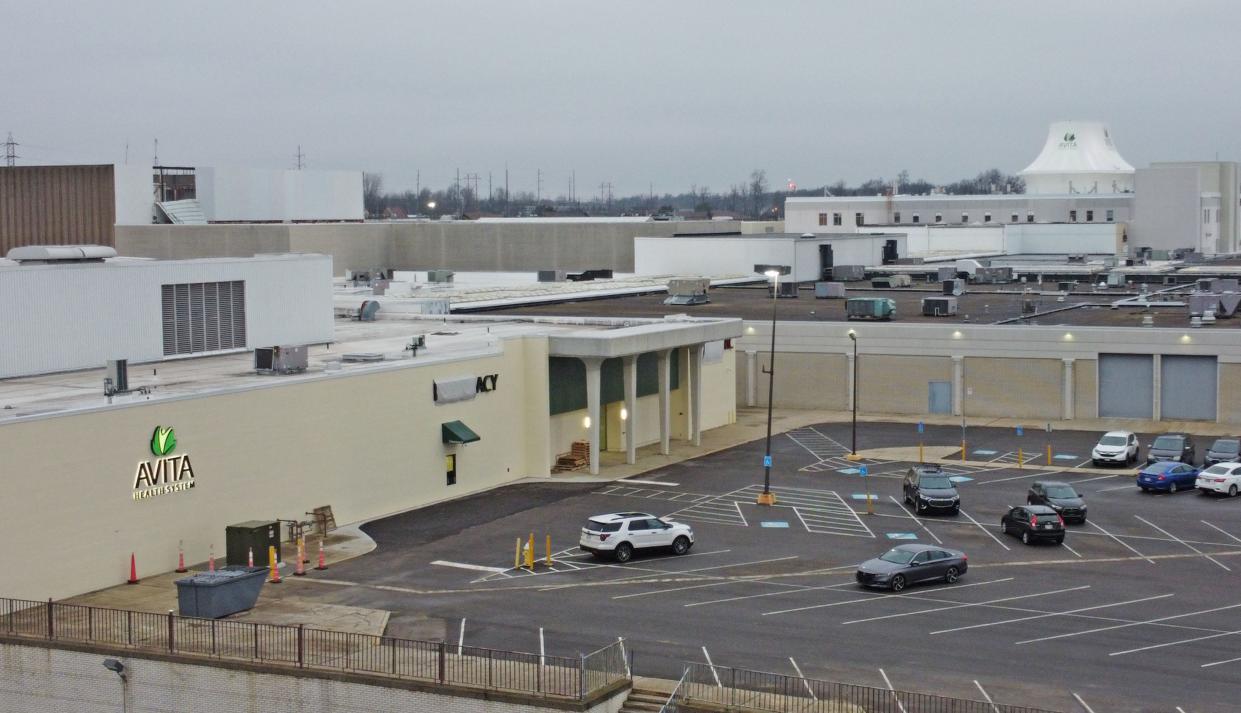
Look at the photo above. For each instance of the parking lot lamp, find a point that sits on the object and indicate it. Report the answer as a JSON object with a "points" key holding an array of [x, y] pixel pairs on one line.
{"points": [[767, 497], [853, 449]]}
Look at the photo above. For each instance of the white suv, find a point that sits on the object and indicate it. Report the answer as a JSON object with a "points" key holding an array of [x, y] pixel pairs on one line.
{"points": [[1221, 478], [621, 533], [1116, 447]]}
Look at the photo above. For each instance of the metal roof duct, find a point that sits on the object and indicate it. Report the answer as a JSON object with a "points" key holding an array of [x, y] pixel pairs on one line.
{"points": [[45, 254]]}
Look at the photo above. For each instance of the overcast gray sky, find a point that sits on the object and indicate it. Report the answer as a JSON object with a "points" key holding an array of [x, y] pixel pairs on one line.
{"points": [[670, 92]]}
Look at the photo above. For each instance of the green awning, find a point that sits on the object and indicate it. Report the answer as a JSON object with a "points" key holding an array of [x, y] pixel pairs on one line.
{"points": [[457, 432]]}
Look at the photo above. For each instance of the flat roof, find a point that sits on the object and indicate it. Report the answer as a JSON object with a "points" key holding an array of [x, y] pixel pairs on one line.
{"points": [[448, 339], [980, 305]]}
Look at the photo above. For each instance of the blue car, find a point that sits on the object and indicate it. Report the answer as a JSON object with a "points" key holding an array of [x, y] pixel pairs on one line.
{"points": [[1167, 475]]}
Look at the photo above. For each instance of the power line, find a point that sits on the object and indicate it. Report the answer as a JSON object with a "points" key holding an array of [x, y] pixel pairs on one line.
{"points": [[10, 151]]}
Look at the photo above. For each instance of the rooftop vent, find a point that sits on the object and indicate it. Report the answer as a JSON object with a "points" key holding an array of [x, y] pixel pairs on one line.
{"points": [[60, 254]]}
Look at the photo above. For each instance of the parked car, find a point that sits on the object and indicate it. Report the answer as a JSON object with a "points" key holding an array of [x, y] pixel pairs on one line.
{"points": [[1033, 523], [1060, 497], [621, 534], [1223, 450], [1172, 446], [1167, 475], [928, 488], [910, 564], [1116, 447], [1221, 479]]}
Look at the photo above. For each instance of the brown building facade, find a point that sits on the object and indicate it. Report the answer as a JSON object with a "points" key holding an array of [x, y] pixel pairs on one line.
{"points": [[57, 205]]}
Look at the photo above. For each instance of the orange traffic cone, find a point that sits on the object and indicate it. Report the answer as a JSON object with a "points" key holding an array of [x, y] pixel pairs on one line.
{"points": [[250, 559], [133, 570], [211, 560], [300, 570], [180, 560], [322, 562], [275, 566]]}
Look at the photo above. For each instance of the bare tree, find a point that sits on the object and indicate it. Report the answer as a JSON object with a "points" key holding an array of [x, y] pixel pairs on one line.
{"points": [[758, 189], [372, 193]]}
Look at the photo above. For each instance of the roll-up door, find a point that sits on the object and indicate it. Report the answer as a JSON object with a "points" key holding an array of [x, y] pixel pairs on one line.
{"points": [[1126, 385], [1187, 388]]}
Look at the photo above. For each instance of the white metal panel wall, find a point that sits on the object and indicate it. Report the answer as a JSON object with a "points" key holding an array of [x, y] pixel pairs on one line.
{"points": [[67, 317], [134, 194], [1187, 388], [711, 256], [1126, 385]]}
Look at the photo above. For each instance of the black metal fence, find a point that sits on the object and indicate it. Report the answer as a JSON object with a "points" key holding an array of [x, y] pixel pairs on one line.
{"points": [[574, 678], [760, 691]]}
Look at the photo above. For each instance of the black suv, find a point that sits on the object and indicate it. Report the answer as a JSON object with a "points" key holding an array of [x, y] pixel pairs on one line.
{"points": [[1060, 497], [1172, 446], [927, 488], [1223, 450], [1033, 522]]}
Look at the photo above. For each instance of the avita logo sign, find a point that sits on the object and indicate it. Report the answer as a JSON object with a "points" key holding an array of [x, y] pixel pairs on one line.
{"points": [[165, 474]]}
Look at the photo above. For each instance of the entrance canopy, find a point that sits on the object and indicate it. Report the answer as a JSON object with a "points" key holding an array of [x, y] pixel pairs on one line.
{"points": [[458, 432]]}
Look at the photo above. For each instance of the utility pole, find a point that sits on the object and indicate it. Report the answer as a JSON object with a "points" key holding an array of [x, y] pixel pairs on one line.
{"points": [[506, 194], [301, 157], [460, 205], [156, 159], [472, 177], [605, 194], [10, 151], [490, 195], [418, 184], [538, 185]]}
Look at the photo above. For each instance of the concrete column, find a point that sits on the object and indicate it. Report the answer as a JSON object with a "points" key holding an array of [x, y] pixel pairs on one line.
{"points": [[695, 394], [1067, 401], [958, 385], [1157, 380], [594, 381], [849, 385], [751, 377], [629, 374], [663, 366]]}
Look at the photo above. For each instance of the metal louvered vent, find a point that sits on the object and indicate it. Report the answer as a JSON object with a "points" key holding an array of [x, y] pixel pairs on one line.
{"points": [[203, 316]]}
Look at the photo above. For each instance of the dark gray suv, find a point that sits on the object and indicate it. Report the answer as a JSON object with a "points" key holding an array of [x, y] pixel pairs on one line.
{"points": [[927, 488], [1172, 446]]}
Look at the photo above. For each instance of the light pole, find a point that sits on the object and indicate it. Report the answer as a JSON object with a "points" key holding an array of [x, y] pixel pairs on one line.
{"points": [[853, 451], [767, 497]]}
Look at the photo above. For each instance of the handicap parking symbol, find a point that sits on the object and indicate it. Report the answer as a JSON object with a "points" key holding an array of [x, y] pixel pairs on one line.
{"points": [[766, 461], [862, 471]]}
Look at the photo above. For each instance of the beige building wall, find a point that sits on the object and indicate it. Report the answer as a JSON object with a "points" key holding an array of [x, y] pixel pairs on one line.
{"points": [[366, 444], [1086, 388], [1229, 398], [803, 380], [1006, 387], [898, 384]]}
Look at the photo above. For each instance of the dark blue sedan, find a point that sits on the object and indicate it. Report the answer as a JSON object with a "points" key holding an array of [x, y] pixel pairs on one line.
{"points": [[1168, 475]]}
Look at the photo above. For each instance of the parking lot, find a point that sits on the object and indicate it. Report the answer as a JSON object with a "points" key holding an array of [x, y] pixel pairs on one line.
{"points": [[1144, 593]]}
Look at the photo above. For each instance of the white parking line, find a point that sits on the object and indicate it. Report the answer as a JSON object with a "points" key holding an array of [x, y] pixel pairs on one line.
{"points": [[986, 696], [706, 655], [1083, 703], [739, 514], [1175, 643], [1097, 477], [879, 597], [989, 533], [1115, 487], [1132, 623], [802, 676], [772, 594], [1213, 527], [1096, 526], [1183, 542], [1016, 477], [1055, 613], [1217, 663], [465, 565], [650, 482], [674, 589], [1070, 549], [895, 697], [901, 505], [964, 605]]}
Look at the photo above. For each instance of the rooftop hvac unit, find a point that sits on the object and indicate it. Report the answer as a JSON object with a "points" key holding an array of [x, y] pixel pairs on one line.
{"points": [[870, 308], [551, 275], [440, 276], [939, 306], [1028, 303], [890, 281], [994, 275], [1228, 303], [368, 310], [848, 273], [1202, 302], [280, 360], [117, 378], [954, 287], [1224, 284], [1066, 286], [1115, 279], [947, 272], [829, 290], [788, 290]]}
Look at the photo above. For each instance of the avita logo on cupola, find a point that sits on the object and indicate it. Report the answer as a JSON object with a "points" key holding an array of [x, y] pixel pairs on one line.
{"points": [[166, 473]]}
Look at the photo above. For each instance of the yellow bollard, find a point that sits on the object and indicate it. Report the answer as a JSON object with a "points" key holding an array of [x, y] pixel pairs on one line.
{"points": [[920, 458], [1018, 456], [530, 553], [275, 566], [517, 555], [549, 551], [1048, 454], [962, 451]]}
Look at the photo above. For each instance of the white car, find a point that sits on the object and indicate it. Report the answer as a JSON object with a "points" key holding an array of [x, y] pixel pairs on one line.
{"points": [[1116, 447], [1221, 478], [620, 534]]}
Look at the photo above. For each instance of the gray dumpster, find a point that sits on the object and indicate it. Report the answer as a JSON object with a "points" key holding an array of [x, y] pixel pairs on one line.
{"points": [[211, 595]]}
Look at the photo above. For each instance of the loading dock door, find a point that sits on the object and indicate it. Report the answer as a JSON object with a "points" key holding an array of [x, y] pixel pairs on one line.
{"points": [[826, 261], [1126, 385], [1187, 388], [940, 397]]}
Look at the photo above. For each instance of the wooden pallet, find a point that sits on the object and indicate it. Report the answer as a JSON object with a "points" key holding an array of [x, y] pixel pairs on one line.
{"points": [[577, 458]]}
